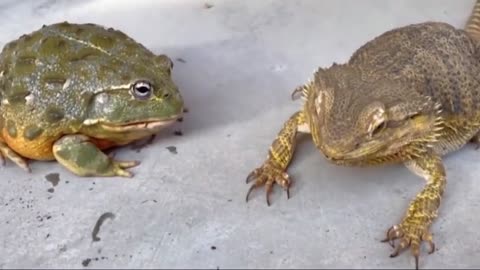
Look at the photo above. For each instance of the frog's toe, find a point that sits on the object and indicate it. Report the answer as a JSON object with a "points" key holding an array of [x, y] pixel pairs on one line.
{"points": [[7, 153], [119, 168], [128, 164]]}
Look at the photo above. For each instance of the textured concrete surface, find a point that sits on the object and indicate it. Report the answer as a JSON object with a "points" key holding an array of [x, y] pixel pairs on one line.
{"points": [[240, 61]]}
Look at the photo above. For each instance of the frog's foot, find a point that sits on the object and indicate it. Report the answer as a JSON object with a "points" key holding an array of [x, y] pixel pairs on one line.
{"points": [[410, 233], [267, 175], [7, 152], [83, 158]]}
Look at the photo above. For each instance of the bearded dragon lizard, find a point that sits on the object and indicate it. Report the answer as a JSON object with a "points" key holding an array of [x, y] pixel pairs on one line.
{"points": [[410, 95]]}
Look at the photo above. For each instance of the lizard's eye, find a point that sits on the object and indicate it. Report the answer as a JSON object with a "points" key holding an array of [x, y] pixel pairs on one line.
{"points": [[413, 116], [381, 126], [375, 118]]}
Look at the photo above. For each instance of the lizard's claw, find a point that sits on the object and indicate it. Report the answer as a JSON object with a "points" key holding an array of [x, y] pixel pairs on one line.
{"points": [[267, 175], [411, 235]]}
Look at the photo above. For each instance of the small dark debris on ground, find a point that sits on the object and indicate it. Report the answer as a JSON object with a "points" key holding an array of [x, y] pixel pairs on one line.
{"points": [[86, 262], [207, 5], [181, 60], [53, 178], [185, 110], [213, 247], [172, 149], [155, 201], [99, 223], [51, 190], [180, 119], [178, 133]]}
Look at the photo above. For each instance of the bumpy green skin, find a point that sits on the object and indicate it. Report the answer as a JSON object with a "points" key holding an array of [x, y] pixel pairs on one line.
{"points": [[77, 79]]}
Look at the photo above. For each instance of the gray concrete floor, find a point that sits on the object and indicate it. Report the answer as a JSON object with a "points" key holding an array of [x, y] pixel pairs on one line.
{"points": [[242, 59]]}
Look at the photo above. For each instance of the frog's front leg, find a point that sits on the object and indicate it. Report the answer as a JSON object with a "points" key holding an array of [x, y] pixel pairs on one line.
{"points": [[78, 154], [423, 210]]}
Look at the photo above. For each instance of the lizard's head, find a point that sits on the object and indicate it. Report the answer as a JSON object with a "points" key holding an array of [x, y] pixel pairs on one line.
{"points": [[359, 116]]}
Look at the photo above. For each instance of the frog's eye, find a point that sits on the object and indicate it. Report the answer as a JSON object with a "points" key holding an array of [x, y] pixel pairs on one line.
{"points": [[142, 90]]}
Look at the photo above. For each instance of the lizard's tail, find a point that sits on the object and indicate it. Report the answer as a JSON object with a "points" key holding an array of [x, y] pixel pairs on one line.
{"points": [[473, 24]]}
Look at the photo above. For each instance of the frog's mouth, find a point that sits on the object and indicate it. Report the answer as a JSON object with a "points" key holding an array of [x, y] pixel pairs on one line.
{"points": [[148, 125]]}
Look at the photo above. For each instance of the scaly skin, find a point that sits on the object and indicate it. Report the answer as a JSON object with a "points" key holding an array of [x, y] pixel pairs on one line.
{"points": [[279, 156], [409, 96], [414, 228]]}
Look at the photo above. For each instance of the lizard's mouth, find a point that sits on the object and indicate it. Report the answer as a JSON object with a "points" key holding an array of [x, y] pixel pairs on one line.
{"points": [[366, 150], [356, 154]]}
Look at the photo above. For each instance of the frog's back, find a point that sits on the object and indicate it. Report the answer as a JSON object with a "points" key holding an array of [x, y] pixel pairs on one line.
{"points": [[60, 58]]}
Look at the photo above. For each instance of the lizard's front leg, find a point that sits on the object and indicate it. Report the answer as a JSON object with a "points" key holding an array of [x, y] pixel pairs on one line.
{"points": [[279, 156], [423, 210], [82, 157]]}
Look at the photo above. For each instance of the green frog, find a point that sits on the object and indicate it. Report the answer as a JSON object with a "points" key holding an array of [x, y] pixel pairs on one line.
{"points": [[70, 91]]}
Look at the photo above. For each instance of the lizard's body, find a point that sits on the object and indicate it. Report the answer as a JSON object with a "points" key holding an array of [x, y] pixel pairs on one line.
{"points": [[411, 95]]}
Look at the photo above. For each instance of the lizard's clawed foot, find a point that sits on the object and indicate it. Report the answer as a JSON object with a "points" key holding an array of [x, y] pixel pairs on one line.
{"points": [[411, 234], [267, 175]]}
